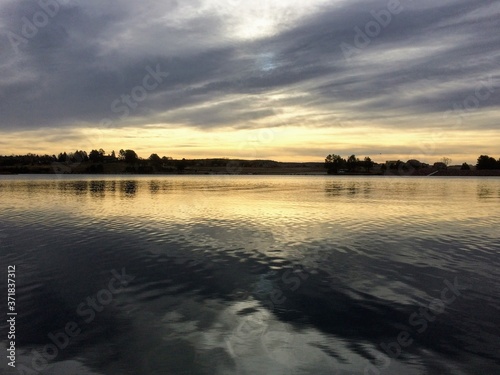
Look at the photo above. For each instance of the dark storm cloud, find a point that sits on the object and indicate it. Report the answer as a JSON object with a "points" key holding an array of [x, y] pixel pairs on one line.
{"points": [[427, 59]]}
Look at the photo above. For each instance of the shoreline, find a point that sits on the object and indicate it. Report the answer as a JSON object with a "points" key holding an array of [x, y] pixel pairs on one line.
{"points": [[438, 173], [231, 167]]}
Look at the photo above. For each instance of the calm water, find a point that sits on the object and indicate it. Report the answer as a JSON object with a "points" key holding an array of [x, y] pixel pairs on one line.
{"points": [[252, 275]]}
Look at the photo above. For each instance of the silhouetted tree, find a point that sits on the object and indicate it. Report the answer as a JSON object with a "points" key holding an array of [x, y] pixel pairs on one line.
{"points": [[397, 165], [352, 163], [78, 156], [446, 161], [95, 156], [62, 157], [121, 154], [368, 164], [333, 163], [155, 159], [465, 167], [130, 156], [413, 163], [487, 162]]}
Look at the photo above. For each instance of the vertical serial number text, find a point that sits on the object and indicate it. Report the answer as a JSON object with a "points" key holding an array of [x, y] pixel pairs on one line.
{"points": [[11, 315]]}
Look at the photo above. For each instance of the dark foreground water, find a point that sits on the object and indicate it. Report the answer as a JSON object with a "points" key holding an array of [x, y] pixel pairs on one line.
{"points": [[251, 275]]}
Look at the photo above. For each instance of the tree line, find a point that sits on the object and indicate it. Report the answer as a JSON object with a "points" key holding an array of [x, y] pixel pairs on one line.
{"points": [[336, 164], [333, 163], [94, 161], [127, 161], [79, 156], [487, 162]]}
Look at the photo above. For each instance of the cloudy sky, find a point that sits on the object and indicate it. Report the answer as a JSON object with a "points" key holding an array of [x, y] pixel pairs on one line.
{"points": [[276, 79]]}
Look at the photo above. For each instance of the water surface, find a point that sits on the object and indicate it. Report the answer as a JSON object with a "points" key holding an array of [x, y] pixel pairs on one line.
{"points": [[257, 274]]}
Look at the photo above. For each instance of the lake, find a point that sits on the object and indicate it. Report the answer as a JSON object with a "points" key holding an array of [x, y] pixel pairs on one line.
{"points": [[251, 274]]}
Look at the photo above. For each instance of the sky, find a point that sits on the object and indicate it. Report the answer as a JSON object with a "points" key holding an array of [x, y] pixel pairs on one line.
{"points": [[282, 80]]}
